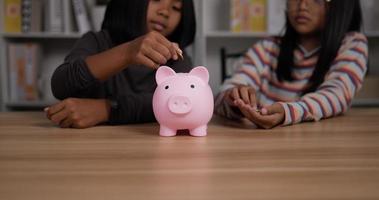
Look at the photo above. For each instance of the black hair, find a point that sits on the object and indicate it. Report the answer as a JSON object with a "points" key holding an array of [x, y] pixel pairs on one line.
{"points": [[341, 17], [125, 20]]}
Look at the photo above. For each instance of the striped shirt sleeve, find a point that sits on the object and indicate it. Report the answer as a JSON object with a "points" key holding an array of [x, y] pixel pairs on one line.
{"points": [[335, 94], [248, 70]]}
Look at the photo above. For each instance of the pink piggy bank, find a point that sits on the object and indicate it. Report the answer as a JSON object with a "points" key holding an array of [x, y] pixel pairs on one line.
{"points": [[183, 101]]}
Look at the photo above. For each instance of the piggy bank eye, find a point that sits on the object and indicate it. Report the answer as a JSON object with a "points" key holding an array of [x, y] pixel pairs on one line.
{"points": [[166, 87], [192, 86]]}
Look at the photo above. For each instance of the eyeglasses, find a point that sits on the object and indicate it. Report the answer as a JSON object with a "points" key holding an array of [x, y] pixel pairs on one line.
{"points": [[294, 4]]}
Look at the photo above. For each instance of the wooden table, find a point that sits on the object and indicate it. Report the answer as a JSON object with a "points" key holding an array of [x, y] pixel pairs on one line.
{"points": [[333, 159]]}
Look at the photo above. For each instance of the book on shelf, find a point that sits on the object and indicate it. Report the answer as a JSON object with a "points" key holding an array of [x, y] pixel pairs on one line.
{"points": [[67, 16], [31, 14], [98, 12], [81, 16], [54, 16], [26, 15], [248, 15], [23, 62], [12, 16], [276, 16], [22, 16], [266, 16]]}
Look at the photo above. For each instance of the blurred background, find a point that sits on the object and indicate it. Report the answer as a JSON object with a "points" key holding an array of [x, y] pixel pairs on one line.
{"points": [[35, 36]]}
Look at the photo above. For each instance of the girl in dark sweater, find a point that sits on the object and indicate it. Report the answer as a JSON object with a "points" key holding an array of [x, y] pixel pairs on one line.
{"points": [[109, 76]]}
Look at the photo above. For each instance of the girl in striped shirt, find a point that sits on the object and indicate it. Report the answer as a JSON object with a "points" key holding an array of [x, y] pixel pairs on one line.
{"points": [[311, 73]]}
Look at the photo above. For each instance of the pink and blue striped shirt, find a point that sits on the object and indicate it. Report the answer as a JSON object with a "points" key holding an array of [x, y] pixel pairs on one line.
{"points": [[333, 97]]}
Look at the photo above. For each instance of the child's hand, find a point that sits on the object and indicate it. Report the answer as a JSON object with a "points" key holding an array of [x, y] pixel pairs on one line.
{"points": [[78, 113], [152, 50], [244, 93], [267, 118]]}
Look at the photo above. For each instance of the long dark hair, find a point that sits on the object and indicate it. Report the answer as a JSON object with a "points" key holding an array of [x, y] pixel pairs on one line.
{"points": [[342, 17], [126, 20]]}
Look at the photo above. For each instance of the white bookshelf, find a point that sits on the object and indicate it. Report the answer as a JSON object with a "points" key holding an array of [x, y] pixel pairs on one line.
{"points": [[228, 34], [55, 47], [41, 35], [28, 104], [372, 34], [213, 33]]}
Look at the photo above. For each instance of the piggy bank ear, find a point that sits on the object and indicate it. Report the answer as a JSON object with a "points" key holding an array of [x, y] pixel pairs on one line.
{"points": [[163, 73], [200, 72]]}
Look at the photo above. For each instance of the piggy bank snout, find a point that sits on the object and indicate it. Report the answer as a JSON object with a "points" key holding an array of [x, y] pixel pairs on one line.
{"points": [[179, 104]]}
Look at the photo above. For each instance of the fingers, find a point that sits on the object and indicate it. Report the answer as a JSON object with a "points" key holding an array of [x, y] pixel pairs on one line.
{"points": [[46, 110], [245, 93], [167, 44], [273, 109], [79, 113], [149, 62], [162, 40], [228, 97], [66, 123], [81, 124], [253, 98], [258, 118], [252, 114], [172, 50], [163, 51], [161, 54], [178, 51], [244, 109], [248, 96], [153, 50], [59, 114], [53, 109], [169, 52], [235, 94], [264, 121], [270, 121], [156, 56], [58, 117]]}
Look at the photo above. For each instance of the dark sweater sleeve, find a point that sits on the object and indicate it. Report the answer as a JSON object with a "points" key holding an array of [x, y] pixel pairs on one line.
{"points": [[73, 78], [138, 108]]}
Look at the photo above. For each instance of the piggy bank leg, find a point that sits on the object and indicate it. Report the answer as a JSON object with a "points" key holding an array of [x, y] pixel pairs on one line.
{"points": [[199, 131], [166, 132]]}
